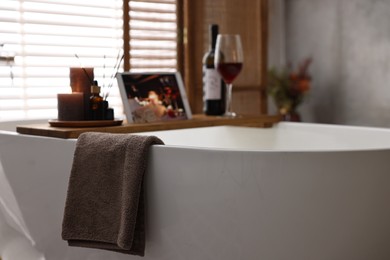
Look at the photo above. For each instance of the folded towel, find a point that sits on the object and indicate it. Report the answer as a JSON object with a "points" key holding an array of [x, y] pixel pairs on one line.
{"points": [[105, 203]]}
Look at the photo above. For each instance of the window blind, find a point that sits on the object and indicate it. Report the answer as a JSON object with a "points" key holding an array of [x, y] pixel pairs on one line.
{"points": [[44, 36], [153, 35]]}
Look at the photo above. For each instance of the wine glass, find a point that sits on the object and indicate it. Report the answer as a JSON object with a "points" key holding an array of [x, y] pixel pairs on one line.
{"points": [[228, 61]]}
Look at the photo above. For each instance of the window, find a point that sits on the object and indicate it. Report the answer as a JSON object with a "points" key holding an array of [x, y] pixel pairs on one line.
{"points": [[153, 34], [44, 36]]}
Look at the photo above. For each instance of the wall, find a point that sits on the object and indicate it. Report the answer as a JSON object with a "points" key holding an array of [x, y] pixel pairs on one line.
{"points": [[349, 41]]}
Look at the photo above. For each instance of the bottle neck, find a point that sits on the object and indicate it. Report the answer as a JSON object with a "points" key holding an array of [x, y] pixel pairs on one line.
{"points": [[95, 90], [213, 36]]}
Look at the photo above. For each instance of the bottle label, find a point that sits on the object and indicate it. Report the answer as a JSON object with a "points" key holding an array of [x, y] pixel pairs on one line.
{"points": [[212, 84]]}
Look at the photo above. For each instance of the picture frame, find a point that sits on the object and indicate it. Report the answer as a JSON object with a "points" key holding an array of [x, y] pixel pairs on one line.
{"points": [[153, 96]]}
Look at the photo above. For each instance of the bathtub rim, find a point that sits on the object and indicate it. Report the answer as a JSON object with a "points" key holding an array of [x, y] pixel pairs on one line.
{"points": [[269, 151], [280, 125]]}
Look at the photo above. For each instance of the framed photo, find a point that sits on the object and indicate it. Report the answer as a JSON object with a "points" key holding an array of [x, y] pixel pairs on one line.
{"points": [[153, 97]]}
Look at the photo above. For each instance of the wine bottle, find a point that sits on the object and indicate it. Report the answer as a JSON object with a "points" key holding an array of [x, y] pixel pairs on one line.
{"points": [[213, 85]]}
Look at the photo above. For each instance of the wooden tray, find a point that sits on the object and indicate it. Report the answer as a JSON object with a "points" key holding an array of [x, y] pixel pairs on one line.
{"points": [[196, 121], [97, 123]]}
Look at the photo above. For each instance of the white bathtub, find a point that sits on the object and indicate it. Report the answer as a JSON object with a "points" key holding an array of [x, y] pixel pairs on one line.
{"points": [[296, 191]]}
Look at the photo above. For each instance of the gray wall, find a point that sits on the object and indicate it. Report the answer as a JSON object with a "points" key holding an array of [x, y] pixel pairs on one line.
{"points": [[349, 41]]}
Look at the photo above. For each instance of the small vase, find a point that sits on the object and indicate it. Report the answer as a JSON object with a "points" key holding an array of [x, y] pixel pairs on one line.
{"points": [[290, 116]]}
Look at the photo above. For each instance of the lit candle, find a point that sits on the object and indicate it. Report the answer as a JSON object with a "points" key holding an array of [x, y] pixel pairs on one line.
{"points": [[81, 79], [70, 107]]}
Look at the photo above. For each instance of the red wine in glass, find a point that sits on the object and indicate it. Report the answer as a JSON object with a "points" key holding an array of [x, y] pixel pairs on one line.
{"points": [[228, 60], [229, 71]]}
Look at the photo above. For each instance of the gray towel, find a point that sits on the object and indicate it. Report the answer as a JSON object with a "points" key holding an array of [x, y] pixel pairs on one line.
{"points": [[105, 201]]}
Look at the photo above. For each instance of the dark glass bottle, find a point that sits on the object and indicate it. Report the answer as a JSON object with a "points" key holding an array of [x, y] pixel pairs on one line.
{"points": [[96, 103], [213, 85]]}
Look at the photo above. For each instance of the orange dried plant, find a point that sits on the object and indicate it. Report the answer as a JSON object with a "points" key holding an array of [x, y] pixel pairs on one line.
{"points": [[288, 87]]}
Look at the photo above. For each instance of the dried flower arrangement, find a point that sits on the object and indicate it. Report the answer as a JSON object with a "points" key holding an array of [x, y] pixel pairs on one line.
{"points": [[288, 88]]}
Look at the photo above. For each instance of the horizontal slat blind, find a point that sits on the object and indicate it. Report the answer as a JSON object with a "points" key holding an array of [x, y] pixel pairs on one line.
{"points": [[153, 35], [45, 35]]}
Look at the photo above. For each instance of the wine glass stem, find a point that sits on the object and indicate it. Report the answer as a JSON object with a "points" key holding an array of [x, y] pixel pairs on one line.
{"points": [[228, 110]]}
